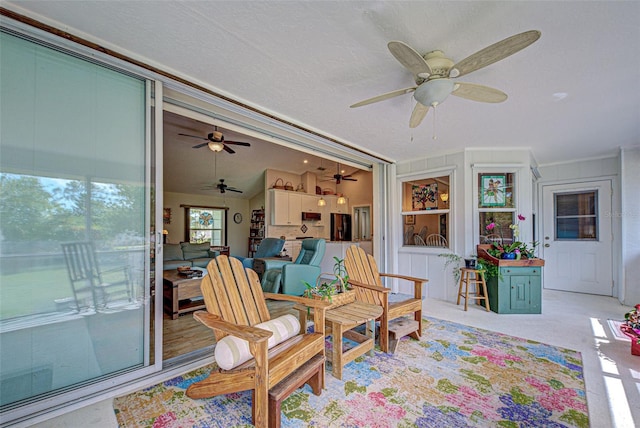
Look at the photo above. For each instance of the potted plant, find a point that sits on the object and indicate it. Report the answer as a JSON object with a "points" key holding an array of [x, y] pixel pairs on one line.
{"points": [[472, 262], [516, 250], [631, 328], [455, 261], [326, 289], [490, 270], [321, 290]]}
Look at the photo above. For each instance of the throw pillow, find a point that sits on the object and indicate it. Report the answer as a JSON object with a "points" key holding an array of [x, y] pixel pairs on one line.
{"points": [[230, 351], [171, 252], [195, 251]]}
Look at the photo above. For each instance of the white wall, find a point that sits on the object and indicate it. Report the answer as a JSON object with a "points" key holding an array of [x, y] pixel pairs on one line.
{"points": [[237, 234], [623, 171], [426, 262], [629, 215]]}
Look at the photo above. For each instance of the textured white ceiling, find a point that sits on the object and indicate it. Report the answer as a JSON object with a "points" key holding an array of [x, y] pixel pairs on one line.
{"points": [[307, 61]]}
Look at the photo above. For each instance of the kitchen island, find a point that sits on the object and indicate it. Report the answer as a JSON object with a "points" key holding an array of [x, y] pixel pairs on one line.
{"points": [[334, 249]]}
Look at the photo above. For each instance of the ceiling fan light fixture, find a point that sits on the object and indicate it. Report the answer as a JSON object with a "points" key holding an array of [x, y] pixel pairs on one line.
{"points": [[341, 200], [433, 92], [216, 147], [321, 202]]}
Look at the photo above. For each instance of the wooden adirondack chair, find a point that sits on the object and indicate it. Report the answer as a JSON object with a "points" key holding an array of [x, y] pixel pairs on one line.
{"points": [[235, 302], [364, 275]]}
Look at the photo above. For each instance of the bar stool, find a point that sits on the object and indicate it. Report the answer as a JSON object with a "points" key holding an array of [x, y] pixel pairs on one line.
{"points": [[473, 277]]}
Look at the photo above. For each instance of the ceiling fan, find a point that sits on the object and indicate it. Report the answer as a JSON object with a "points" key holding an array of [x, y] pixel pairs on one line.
{"points": [[338, 176], [433, 74], [223, 188], [216, 142]]}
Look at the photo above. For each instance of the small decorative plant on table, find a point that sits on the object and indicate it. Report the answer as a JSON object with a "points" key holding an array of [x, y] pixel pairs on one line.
{"points": [[336, 289], [631, 328]]}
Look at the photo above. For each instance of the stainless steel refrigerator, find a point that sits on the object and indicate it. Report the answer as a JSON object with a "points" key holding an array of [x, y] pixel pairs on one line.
{"points": [[340, 227]]}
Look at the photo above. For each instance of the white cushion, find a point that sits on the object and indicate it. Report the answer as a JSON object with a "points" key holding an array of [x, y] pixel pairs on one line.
{"points": [[231, 351]]}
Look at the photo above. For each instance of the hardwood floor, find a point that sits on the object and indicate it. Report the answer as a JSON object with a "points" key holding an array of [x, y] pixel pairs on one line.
{"points": [[184, 335]]}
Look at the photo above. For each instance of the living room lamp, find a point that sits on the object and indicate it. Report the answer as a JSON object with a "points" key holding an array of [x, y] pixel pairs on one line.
{"points": [[341, 200], [321, 202]]}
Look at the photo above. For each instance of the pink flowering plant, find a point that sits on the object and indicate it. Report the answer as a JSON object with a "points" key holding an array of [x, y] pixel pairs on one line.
{"points": [[521, 249], [632, 323]]}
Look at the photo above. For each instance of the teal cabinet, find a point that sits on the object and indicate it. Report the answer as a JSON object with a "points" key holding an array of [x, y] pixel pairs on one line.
{"points": [[518, 290]]}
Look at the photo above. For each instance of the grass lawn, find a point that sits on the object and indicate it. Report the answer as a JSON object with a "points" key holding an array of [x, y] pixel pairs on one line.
{"points": [[33, 291]]}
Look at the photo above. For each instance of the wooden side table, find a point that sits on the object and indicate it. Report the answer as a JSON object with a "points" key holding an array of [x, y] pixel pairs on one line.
{"points": [[340, 318], [474, 277], [340, 321], [222, 249]]}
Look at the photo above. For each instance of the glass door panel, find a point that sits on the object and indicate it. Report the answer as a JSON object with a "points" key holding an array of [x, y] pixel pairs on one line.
{"points": [[576, 216], [74, 203]]}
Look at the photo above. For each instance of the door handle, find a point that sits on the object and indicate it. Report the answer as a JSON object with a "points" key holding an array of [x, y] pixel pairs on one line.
{"points": [[547, 245]]}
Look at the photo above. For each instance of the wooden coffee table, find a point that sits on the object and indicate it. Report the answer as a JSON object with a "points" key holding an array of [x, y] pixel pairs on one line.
{"points": [[181, 293]]}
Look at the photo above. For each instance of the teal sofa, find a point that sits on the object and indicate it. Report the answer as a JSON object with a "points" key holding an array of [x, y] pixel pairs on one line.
{"points": [[187, 254]]}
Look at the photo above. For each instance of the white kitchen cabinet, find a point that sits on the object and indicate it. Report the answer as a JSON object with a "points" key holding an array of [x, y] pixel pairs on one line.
{"points": [[286, 208], [325, 217], [310, 203]]}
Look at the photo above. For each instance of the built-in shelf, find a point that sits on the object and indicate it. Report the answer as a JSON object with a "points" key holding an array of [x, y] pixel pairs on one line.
{"points": [[256, 231]]}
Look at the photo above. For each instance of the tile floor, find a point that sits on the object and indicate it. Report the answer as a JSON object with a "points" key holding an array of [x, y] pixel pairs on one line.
{"points": [[575, 321]]}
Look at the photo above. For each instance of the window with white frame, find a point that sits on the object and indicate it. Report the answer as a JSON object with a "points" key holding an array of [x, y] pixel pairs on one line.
{"points": [[496, 206], [206, 224], [425, 211]]}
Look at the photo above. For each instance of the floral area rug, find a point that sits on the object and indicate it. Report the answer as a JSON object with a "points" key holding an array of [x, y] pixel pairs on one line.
{"points": [[455, 376]]}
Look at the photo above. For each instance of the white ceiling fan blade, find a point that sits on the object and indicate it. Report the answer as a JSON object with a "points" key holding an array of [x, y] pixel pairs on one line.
{"points": [[419, 112], [384, 97], [480, 93], [412, 60], [494, 53]]}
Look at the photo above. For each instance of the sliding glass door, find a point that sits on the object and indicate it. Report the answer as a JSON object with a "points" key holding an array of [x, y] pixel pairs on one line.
{"points": [[75, 223]]}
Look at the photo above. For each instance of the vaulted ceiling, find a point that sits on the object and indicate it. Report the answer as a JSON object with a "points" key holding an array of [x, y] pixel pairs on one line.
{"points": [[572, 94]]}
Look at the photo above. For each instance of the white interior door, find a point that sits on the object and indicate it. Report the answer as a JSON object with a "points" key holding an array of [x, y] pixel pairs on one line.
{"points": [[576, 238]]}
